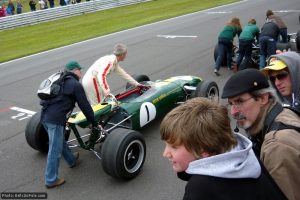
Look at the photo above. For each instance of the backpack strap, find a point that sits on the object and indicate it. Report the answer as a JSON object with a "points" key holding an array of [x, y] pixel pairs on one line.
{"points": [[270, 118], [276, 126], [271, 125], [258, 139]]}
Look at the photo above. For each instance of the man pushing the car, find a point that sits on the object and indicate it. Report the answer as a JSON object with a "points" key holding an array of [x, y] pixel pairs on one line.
{"points": [[94, 81]]}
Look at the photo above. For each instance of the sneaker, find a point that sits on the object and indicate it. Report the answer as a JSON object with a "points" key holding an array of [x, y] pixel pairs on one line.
{"points": [[58, 182], [217, 72], [76, 155]]}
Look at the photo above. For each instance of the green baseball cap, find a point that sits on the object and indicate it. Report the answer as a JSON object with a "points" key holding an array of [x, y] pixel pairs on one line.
{"points": [[73, 65]]}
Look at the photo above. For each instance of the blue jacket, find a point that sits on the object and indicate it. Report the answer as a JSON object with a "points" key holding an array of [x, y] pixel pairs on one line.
{"points": [[58, 110]]}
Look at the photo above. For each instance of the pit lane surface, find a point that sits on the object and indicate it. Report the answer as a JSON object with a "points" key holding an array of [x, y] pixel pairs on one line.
{"points": [[179, 46]]}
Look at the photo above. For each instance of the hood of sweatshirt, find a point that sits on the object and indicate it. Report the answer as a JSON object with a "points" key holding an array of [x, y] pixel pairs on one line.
{"points": [[292, 60], [239, 162]]}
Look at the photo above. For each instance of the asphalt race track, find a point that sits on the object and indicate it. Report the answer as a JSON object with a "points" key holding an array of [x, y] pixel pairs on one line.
{"points": [[179, 46]]}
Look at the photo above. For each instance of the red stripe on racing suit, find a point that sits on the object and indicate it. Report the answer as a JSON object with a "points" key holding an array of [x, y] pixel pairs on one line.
{"points": [[96, 89], [104, 76]]}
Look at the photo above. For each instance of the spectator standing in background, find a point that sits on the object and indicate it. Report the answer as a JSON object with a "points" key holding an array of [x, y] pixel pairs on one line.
{"points": [[19, 7], [280, 24], [10, 8], [46, 4], [3, 11], [42, 4], [32, 5], [247, 37], [51, 3], [225, 43], [267, 41], [62, 3]]}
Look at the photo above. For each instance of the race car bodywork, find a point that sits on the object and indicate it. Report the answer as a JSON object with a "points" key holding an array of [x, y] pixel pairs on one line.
{"points": [[123, 148]]}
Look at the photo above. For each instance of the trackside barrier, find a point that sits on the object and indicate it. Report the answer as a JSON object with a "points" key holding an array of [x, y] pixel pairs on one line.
{"points": [[39, 16]]}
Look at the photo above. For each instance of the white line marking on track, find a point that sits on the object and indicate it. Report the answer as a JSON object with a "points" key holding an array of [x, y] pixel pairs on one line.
{"points": [[218, 12], [288, 11], [177, 36], [23, 110], [23, 113]]}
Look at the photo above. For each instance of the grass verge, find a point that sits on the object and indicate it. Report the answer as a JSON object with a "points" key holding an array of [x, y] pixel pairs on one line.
{"points": [[23, 41]]}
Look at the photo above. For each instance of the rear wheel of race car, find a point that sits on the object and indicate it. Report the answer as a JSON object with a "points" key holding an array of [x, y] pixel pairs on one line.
{"points": [[208, 89], [298, 40], [36, 135], [283, 46], [138, 78], [123, 153]]}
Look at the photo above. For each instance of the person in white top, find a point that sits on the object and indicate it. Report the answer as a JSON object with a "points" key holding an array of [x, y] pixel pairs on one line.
{"points": [[94, 81]]}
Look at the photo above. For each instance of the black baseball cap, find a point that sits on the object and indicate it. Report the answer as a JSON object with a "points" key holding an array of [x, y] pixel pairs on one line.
{"points": [[247, 80]]}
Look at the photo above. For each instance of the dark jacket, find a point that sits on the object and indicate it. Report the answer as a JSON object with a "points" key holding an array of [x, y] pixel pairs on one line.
{"points": [[233, 175], [270, 29], [57, 110], [209, 187]]}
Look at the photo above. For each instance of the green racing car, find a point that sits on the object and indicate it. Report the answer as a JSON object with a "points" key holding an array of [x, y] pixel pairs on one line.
{"points": [[122, 147]]}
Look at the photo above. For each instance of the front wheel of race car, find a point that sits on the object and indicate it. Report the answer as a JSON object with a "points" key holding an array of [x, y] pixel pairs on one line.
{"points": [[207, 89], [123, 153], [36, 135], [138, 78]]}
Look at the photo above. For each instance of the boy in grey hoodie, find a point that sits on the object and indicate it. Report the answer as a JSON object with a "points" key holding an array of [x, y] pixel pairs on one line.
{"points": [[217, 163], [283, 71]]}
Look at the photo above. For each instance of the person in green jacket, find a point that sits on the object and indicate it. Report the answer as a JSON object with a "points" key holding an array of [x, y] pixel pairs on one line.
{"points": [[225, 43], [247, 37]]}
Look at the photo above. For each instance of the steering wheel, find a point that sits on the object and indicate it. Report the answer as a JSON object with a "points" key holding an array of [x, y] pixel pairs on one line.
{"points": [[111, 99]]}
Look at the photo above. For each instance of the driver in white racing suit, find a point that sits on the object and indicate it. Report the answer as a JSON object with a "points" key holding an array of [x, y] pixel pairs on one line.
{"points": [[94, 81]]}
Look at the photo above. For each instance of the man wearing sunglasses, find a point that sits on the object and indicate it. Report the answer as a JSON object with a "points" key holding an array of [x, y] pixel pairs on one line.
{"points": [[283, 71], [252, 102]]}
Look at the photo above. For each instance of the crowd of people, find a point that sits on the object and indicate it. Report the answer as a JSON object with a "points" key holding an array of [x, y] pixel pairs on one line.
{"points": [[263, 162], [220, 163], [272, 31], [12, 8], [217, 161]]}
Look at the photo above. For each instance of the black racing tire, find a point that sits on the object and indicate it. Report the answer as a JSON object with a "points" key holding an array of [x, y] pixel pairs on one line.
{"points": [[36, 135], [248, 65], [298, 39], [123, 153], [207, 89], [138, 78], [283, 46]]}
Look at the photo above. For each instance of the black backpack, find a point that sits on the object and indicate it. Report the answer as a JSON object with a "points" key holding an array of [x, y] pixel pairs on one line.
{"points": [[51, 87]]}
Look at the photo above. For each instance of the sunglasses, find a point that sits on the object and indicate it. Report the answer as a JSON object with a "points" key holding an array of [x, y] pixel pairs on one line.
{"points": [[279, 76]]}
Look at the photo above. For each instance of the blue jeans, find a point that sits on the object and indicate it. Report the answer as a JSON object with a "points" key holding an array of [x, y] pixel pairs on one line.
{"points": [[224, 47], [57, 147], [267, 46], [245, 51], [283, 34]]}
